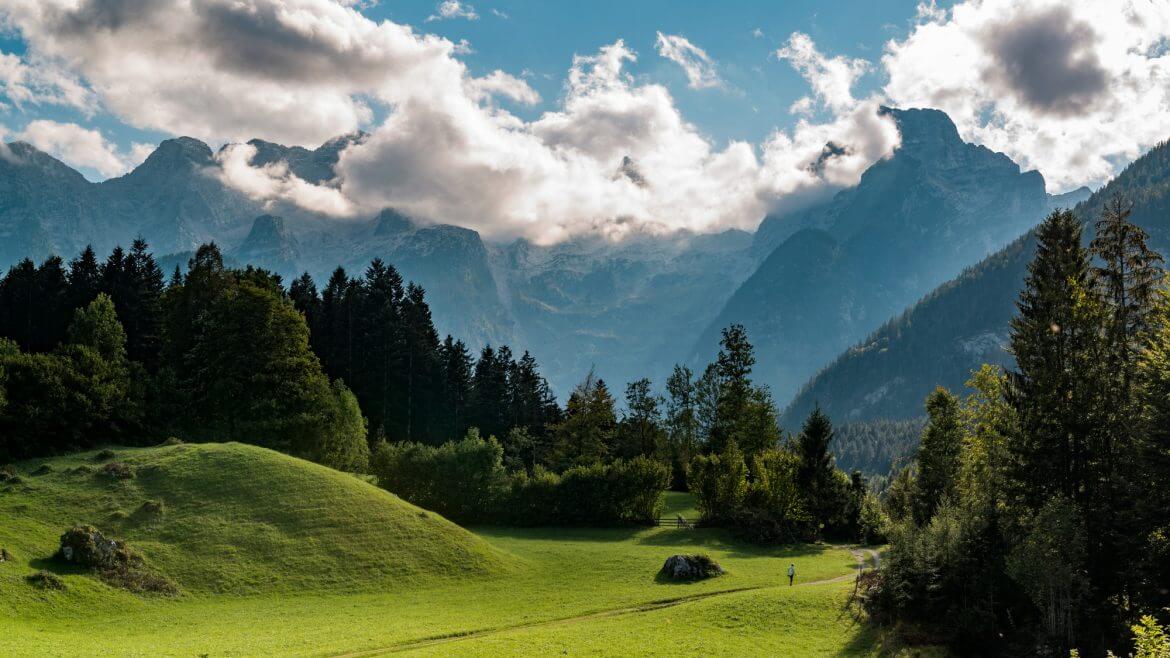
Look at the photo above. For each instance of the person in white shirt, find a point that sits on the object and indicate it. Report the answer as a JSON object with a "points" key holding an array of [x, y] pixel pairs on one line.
{"points": [[791, 573]]}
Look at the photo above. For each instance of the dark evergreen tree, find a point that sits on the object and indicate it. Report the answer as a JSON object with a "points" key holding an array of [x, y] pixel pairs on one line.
{"points": [[1057, 344], [139, 306], [938, 454], [489, 405], [815, 474], [85, 278], [456, 390]]}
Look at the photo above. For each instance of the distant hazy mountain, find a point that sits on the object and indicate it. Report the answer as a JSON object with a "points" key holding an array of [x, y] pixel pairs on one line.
{"points": [[964, 322], [629, 309], [822, 278], [834, 272], [176, 201]]}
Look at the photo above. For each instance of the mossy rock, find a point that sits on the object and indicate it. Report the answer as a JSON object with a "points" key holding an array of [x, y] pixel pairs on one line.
{"points": [[690, 568]]}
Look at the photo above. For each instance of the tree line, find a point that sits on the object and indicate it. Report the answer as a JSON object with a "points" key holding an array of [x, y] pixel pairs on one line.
{"points": [[1036, 517], [356, 371]]}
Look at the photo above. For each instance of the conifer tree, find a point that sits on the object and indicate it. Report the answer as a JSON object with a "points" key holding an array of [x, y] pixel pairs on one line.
{"points": [[1057, 343], [938, 454], [586, 434], [84, 278], [456, 391]]}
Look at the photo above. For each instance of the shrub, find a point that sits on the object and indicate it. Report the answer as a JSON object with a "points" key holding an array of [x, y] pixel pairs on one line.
{"points": [[719, 483], [116, 471], [172, 441], [45, 580], [7, 472], [104, 455], [43, 469], [462, 480], [5, 556], [151, 509]]}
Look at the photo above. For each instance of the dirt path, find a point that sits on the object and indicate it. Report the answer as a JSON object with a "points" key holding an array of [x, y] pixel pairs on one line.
{"points": [[860, 555]]}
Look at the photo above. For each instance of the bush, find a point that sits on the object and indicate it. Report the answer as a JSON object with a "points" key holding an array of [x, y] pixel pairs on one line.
{"points": [[463, 480], [467, 482], [622, 493], [719, 483], [5, 556], [172, 441], [45, 580], [43, 469], [104, 455], [116, 471]]}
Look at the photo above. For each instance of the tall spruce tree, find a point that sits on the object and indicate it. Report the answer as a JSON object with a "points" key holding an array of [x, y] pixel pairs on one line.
{"points": [[1057, 343], [938, 454]]}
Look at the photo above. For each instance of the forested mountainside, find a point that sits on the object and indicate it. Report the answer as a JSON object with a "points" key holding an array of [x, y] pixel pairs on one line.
{"points": [[841, 268], [964, 323]]}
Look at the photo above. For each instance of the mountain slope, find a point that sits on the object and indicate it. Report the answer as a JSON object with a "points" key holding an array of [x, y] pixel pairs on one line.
{"points": [[235, 519], [913, 221], [964, 323], [625, 309]]}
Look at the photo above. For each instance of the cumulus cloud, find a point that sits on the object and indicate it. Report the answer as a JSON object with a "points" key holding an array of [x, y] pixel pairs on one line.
{"points": [[302, 71], [448, 9], [1069, 88], [39, 83], [698, 66], [77, 146], [274, 184], [831, 78]]}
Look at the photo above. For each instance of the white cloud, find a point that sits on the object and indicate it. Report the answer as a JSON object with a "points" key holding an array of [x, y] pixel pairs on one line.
{"points": [[302, 71], [275, 184], [832, 78], [448, 9], [463, 48], [500, 14], [695, 62], [75, 145], [39, 83], [1069, 88], [498, 83], [758, 33]]}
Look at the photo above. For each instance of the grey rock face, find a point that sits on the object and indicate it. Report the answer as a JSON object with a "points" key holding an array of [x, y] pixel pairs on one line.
{"points": [[835, 272]]}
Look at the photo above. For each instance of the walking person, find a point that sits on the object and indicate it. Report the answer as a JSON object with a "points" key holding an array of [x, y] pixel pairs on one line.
{"points": [[791, 573]]}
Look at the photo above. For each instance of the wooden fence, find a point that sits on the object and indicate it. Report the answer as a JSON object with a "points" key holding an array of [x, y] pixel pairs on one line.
{"points": [[675, 522]]}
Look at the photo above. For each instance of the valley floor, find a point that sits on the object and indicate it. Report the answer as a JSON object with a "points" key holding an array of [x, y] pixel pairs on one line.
{"points": [[568, 591]]}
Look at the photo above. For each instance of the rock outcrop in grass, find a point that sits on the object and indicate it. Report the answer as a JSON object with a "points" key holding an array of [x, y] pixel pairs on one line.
{"points": [[690, 568]]}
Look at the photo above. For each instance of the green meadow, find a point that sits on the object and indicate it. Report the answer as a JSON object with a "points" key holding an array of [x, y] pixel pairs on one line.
{"points": [[273, 555]]}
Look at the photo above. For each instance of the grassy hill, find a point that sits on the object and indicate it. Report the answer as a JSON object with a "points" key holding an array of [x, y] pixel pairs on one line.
{"points": [[235, 519], [277, 556]]}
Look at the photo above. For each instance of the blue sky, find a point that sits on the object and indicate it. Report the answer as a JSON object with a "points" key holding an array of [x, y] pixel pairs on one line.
{"points": [[514, 118], [542, 37]]}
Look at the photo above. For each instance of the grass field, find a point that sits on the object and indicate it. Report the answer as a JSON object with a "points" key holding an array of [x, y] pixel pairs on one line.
{"points": [[274, 555]]}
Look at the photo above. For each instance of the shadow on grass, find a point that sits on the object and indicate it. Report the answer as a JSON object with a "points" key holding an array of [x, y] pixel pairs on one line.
{"points": [[56, 566]]}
